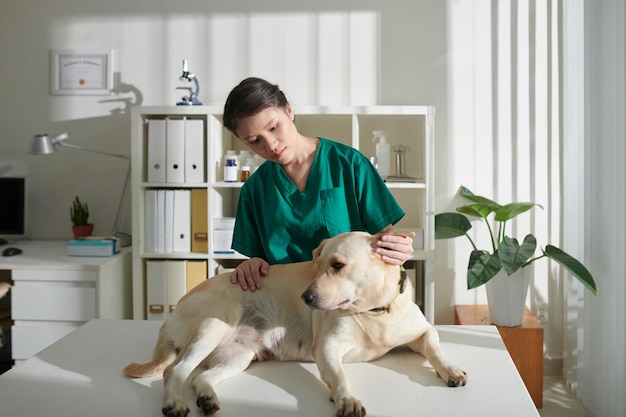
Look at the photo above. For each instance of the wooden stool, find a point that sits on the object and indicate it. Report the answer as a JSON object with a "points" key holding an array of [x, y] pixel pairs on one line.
{"points": [[524, 343]]}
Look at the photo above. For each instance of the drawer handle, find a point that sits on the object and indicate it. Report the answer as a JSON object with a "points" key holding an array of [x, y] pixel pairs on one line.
{"points": [[156, 308]]}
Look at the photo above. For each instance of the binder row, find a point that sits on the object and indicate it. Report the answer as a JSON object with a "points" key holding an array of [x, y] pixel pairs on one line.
{"points": [[176, 221], [167, 281], [176, 151]]}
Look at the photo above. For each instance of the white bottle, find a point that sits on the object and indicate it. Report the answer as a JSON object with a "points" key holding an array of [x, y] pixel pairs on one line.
{"points": [[231, 169], [383, 153]]}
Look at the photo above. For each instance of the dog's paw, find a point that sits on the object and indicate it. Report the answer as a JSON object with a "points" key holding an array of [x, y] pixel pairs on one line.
{"points": [[454, 376], [175, 408], [349, 407], [208, 404]]}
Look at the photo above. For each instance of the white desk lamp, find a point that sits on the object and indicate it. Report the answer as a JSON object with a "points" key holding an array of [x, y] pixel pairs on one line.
{"points": [[45, 145]]}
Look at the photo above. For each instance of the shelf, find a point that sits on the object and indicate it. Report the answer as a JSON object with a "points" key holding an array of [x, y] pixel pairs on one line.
{"points": [[173, 185], [411, 126]]}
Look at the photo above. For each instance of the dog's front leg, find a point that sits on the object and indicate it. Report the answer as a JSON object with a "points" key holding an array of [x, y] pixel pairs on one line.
{"points": [[329, 362], [428, 345]]}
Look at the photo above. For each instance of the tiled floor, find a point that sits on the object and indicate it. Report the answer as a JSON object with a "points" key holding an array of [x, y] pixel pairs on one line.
{"points": [[559, 401]]}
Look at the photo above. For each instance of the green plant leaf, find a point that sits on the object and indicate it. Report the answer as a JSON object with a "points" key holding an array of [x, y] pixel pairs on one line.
{"points": [[573, 266], [481, 268], [512, 255], [478, 209], [511, 210], [451, 225], [465, 192]]}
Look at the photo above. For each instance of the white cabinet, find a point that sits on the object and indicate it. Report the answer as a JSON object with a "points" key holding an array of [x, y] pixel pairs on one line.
{"points": [[53, 293], [410, 126]]}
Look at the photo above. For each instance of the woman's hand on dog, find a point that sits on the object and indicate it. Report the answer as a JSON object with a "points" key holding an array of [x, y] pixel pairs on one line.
{"points": [[395, 247], [249, 273]]}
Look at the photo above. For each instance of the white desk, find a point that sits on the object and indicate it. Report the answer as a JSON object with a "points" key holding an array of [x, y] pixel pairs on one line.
{"points": [[81, 375], [54, 293]]}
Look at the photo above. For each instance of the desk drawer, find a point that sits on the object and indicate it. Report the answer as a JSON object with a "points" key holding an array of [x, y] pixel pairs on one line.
{"points": [[54, 275], [53, 303], [27, 341]]}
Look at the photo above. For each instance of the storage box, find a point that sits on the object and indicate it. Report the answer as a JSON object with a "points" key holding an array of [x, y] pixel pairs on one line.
{"points": [[223, 228], [93, 247]]}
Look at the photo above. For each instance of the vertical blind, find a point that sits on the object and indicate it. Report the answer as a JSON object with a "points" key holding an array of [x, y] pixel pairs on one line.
{"points": [[594, 98], [506, 132]]}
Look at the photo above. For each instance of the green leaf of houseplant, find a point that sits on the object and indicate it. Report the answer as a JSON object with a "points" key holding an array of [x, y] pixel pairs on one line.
{"points": [[482, 267], [465, 192], [478, 209], [451, 225], [573, 266], [511, 210], [512, 255]]}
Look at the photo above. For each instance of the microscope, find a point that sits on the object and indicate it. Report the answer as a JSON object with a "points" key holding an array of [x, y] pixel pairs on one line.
{"points": [[192, 99]]}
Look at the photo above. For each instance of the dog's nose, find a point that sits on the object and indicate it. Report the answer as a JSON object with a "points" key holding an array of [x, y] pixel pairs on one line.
{"points": [[308, 296]]}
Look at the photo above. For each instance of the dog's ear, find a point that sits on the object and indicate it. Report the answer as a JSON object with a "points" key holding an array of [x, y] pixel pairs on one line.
{"points": [[389, 230], [318, 250]]}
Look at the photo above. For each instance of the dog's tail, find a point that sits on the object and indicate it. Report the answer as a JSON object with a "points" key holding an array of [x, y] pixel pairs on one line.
{"points": [[164, 354]]}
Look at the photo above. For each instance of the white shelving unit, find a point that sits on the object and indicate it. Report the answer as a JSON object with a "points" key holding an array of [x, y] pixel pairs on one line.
{"points": [[412, 126]]}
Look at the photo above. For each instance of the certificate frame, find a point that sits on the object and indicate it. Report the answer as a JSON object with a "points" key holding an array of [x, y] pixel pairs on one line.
{"points": [[81, 72]]}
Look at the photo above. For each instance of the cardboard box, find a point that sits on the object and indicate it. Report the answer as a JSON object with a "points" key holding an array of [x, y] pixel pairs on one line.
{"points": [[93, 247]]}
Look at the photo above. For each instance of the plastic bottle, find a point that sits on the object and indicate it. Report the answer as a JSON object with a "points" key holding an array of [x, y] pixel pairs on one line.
{"points": [[383, 152], [230, 168]]}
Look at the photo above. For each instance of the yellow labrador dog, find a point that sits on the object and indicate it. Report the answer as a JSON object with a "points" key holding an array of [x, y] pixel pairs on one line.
{"points": [[346, 305]]}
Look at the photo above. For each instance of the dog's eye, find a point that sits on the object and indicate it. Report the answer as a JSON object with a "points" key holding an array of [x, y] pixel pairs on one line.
{"points": [[337, 265]]}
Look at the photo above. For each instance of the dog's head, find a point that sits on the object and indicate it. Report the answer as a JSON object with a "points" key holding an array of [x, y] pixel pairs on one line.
{"points": [[351, 275]]}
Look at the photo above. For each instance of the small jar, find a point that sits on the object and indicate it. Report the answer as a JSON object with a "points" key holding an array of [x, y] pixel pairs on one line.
{"points": [[245, 173]]}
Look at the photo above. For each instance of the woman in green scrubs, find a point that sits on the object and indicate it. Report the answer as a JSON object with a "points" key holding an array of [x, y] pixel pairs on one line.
{"points": [[307, 190]]}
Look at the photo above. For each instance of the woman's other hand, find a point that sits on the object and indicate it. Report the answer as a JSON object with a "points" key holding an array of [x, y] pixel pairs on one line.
{"points": [[249, 273], [395, 247]]}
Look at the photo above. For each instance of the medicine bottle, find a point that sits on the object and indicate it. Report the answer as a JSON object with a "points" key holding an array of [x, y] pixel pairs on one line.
{"points": [[230, 170], [245, 173]]}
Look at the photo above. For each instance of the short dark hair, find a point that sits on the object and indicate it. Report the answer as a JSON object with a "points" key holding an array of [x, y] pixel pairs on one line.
{"points": [[250, 97]]}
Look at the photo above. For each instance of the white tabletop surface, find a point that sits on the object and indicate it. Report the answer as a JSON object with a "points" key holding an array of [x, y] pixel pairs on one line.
{"points": [[81, 375], [50, 254]]}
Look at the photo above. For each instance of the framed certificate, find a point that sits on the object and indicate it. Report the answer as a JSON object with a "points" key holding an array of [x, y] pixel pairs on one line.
{"points": [[81, 72]]}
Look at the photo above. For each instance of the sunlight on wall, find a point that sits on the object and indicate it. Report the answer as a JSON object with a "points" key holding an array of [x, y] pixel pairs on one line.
{"points": [[506, 130], [325, 58]]}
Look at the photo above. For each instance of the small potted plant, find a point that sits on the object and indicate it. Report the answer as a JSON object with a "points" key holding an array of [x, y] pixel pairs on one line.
{"points": [[504, 264], [79, 214]]}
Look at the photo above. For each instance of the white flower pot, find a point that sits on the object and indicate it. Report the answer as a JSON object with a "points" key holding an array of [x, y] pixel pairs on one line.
{"points": [[506, 296]]}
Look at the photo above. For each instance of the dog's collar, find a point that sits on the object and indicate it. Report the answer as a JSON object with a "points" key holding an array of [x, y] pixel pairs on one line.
{"points": [[401, 288]]}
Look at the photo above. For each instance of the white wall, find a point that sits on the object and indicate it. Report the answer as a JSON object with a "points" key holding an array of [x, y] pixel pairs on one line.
{"points": [[149, 39]]}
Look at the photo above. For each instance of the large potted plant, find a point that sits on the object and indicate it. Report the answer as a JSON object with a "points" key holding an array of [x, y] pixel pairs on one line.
{"points": [[79, 214], [506, 264]]}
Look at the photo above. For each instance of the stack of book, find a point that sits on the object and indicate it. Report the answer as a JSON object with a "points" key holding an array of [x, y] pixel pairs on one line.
{"points": [[94, 246]]}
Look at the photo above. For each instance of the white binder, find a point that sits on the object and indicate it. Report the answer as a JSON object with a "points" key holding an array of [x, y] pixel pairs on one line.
{"points": [[168, 236], [182, 221], [160, 222], [194, 151], [175, 151], [176, 283], [156, 150], [156, 290], [150, 225]]}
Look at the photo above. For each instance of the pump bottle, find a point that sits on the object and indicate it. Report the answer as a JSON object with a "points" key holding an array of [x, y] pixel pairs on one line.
{"points": [[383, 153]]}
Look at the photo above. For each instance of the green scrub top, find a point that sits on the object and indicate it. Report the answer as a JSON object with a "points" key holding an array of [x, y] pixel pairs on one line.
{"points": [[344, 192]]}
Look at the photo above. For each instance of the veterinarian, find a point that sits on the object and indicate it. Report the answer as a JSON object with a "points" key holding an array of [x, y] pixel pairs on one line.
{"points": [[307, 190]]}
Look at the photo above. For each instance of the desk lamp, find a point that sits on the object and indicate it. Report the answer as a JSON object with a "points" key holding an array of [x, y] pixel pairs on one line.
{"points": [[46, 145]]}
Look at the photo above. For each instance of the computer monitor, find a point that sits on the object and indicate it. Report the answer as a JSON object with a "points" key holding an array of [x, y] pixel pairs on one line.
{"points": [[12, 208]]}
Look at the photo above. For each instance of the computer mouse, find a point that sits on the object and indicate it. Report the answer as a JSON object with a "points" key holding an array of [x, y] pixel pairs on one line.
{"points": [[11, 251]]}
